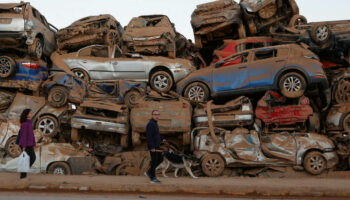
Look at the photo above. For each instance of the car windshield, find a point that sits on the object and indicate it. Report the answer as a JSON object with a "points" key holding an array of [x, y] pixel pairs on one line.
{"points": [[151, 22]]}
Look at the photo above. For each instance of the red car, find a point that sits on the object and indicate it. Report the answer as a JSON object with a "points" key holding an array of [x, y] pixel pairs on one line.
{"points": [[273, 113], [235, 46]]}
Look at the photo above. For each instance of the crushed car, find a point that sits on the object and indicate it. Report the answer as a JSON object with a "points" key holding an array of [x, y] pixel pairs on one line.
{"points": [[24, 28], [22, 73], [174, 119], [150, 34], [235, 113], [100, 62], [218, 148], [100, 29], [289, 68], [102, 125], [275, 112]]}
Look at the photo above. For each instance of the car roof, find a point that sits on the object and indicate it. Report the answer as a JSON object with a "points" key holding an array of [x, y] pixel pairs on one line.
{"points": [[11, 5]]}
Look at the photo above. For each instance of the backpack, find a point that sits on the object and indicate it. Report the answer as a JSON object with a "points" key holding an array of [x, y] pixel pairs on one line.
{"points": [[18, 137]]}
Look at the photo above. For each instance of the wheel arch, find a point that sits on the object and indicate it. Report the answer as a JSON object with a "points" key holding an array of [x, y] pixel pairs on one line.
{"points": [[288, 70], [160, 68], [47, 114], [308, 151], [51, 163], [197, 80]]}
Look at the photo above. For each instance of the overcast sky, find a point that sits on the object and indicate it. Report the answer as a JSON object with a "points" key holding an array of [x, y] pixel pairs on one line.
{"points": [[62, 13]]}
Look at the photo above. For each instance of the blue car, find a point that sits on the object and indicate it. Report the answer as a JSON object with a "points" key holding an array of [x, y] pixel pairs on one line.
{"points": [[22, 73], [288, 68]]}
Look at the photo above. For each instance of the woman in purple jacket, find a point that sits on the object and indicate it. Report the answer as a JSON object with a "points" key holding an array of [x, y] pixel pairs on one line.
{"points": [[27, 139]]}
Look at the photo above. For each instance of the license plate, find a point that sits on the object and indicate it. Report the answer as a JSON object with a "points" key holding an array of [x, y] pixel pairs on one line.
{"points": [[5, 20]]}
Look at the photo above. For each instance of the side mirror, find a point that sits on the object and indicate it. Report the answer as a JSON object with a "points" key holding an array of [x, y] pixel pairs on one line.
{"points": [[219, 64]]}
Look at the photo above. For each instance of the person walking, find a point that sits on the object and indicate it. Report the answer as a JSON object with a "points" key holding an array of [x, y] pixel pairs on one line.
{"points": [[27, 139], [153, 143]]}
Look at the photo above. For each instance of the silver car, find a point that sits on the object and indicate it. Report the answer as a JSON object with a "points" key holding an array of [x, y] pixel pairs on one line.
{"points": [[99, 62], [23, 27]]}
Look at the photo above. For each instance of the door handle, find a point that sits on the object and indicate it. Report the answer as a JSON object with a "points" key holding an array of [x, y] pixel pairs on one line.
{"points": [[84, 61], [242, 67], [280, 60], [115, 63]]}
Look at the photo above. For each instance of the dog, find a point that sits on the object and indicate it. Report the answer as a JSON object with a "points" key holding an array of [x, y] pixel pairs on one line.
{"points": [[178, 161]]}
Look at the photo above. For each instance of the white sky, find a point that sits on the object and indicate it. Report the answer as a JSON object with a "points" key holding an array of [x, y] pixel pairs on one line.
{"points": [[62, 13]]}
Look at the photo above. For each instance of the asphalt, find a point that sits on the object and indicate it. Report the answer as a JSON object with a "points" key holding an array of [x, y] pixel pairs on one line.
{"points": [[338, 186]]}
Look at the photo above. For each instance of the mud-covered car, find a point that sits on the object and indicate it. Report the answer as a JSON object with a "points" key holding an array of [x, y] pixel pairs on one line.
{"points": [[100, 29], [134, 163], [252, 149], [259, 16], [22, 73], [96, 118], [45, 118], [275, 112], [24, 28], [150, 34], [62, 88], [291, 69], [238, 112], [174, 119], [215, 21], [54, 158], [99, 62]]}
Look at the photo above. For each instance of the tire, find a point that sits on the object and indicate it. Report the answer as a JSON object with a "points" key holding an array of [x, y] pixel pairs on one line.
{"points": [[197, 92], [36, 49], [58, 96], [131, 98], [161, 81], [313, 123], [112, 37], [342, 91], [12, 149], [48, 125], [59, 168], [320, 34], [297, 20], [292, 85], [82, 74], [7, 66], [212, 165], [124, 141], [314, 163], [346, 123]]}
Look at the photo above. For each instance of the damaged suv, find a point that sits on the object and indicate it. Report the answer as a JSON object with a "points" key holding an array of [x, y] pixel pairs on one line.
{"points": [[24, 28], [101, 29]]}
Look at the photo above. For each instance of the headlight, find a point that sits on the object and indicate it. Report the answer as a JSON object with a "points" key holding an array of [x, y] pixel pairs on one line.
{"points": [[243, 117], [28, 25], [328, 149]]}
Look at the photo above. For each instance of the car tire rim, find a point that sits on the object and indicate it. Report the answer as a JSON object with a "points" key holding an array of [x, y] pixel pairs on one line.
{"points": [[213, 166], [316, 163], [59, 171], [196, 93], [79, 74], [13, 148], [58, 97], [292, 84], [322, 33], [38, 49], [5, 66], [47, 126], [161, 82]]}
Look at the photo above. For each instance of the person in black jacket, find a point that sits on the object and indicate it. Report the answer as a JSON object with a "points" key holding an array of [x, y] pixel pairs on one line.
{"points": [[153, 143]]}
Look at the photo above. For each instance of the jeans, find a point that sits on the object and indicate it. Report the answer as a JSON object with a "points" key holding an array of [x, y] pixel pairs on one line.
{"points": [[156, 159], [31, 154]]}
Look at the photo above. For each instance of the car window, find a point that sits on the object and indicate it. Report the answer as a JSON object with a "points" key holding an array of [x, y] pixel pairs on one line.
{"points": [[237, 59], [95, 51], [265, 54], [283, 52]]}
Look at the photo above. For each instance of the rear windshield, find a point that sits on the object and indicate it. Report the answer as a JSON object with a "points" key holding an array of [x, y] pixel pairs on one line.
{"points": [[14, 10], [152, 22]]}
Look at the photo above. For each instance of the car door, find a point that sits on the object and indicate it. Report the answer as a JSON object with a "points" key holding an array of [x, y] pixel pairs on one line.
{"points": [[96, 61], [129, 68], [231, 77], [280, 145], [22, 102]]}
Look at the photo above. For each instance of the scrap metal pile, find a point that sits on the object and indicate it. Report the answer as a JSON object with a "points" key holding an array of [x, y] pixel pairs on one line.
{"points": [[260, 89]]}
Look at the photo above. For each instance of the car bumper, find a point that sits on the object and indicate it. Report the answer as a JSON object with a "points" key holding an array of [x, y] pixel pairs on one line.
{"points": [[179, 74], [331, 158], [99, 125], [225, 121]]}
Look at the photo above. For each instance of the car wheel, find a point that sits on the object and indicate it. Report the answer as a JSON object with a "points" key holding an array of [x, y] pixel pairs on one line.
{"points": [[342, 91], [59, 168], [82, 74], [161, 81], [346, 123], [58, 96], [122, 169], [213, 165], [292, 85], [197, 92], [314, 163], [12, 149], [48, 125], [36, 49], [297, 20], [7, 66], [112, 37], [313, 123], [320, 33], [131, 98]]}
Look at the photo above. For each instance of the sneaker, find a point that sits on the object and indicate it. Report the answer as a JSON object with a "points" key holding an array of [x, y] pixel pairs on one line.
{"points": [[148, 175], [154, 180]]}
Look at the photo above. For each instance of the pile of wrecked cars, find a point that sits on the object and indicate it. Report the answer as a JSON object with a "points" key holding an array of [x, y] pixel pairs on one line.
{"points": [[260, 89]]}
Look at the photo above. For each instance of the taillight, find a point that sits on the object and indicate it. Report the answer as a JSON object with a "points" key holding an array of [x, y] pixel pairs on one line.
{"points": [[31, 65]]}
